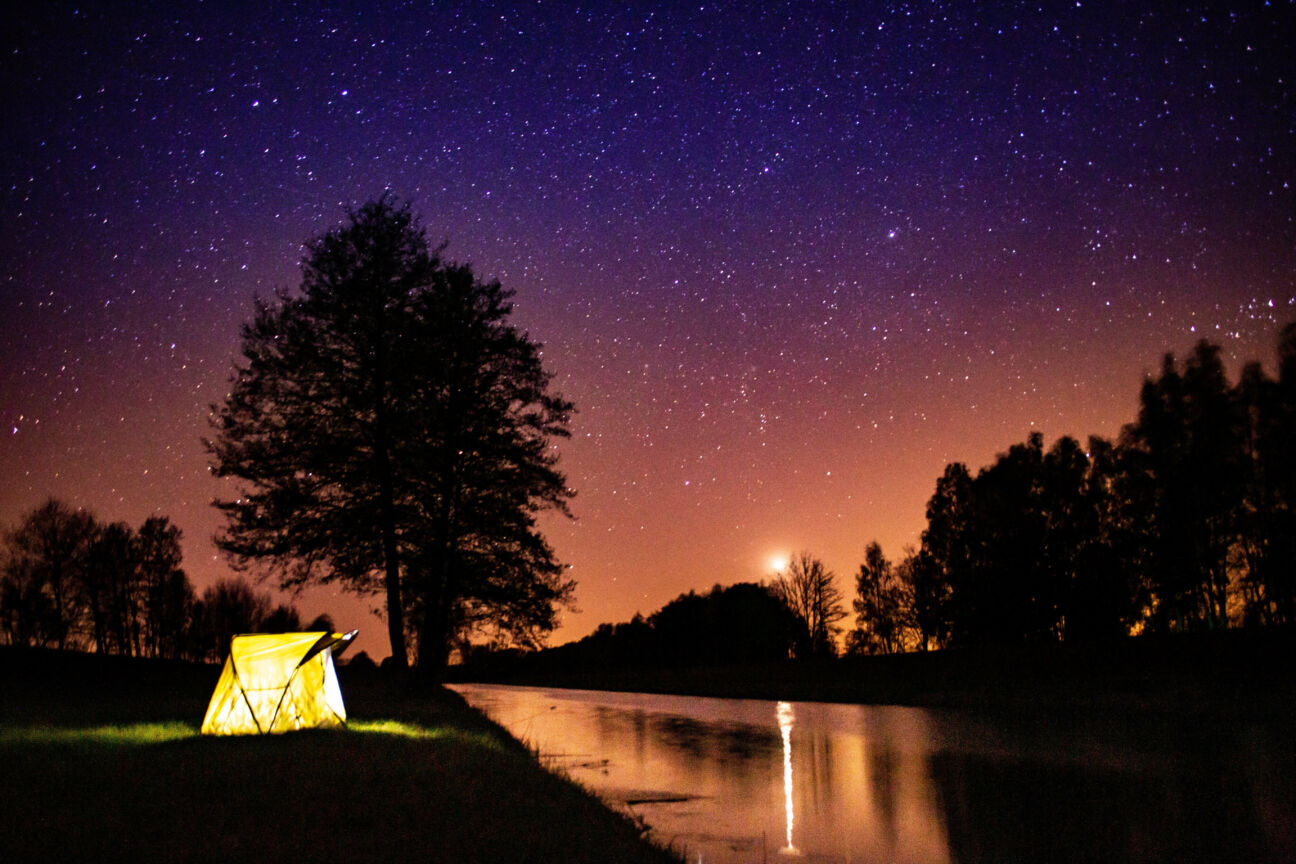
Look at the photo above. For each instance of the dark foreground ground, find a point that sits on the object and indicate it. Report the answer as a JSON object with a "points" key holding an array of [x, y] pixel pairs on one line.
{"points": [[1247, 673], [101, 761]]}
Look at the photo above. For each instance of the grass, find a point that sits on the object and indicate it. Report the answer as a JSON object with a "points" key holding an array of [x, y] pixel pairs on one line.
{"points": [[121, 735], [103, 761]]}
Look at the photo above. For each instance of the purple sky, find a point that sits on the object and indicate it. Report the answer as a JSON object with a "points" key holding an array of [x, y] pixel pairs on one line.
{"points": [[787, 259]]}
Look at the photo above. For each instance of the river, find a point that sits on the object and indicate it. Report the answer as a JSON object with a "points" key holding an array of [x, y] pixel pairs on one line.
{"points": [[729, 780]]}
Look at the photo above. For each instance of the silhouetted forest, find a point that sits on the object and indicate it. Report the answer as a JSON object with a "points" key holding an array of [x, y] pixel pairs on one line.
{"points": [[70, 581], [1186, 522], [738, 623]]}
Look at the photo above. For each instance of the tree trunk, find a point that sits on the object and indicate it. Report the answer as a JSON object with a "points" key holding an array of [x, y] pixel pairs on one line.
{"points": [[434, 623], [391, 556], [434, 638], [395, 611], [387, 500]]}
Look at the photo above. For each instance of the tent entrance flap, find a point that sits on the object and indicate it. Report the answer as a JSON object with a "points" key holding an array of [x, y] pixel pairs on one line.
{"points": [[335, 642], [278, 682]]}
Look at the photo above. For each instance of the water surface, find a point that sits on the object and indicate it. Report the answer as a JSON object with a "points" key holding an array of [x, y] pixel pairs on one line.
{"points": [[728, 780]]}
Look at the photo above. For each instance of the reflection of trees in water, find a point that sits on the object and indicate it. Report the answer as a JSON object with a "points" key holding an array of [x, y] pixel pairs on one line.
{"points": [[687, 735], [819, 757], [617, 725], [1208, 792], [997, 810], [729, 747], [723, 742], [883, 764]]}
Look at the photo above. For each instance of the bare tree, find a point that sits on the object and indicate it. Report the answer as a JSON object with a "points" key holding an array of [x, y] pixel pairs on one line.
{"points": [[44, 562], [169, 595], [808, 589]]}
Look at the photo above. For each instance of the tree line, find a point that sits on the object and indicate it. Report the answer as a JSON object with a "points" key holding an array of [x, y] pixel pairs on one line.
{"points": [[73, 582], [1185, 522], [738, 623]]}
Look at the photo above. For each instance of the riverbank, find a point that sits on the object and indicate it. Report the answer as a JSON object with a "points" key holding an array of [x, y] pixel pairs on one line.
{"points": [[1243, 672], [103, 762]]}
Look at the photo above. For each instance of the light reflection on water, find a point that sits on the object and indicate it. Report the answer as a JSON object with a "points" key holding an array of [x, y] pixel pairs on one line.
{"points": [[786, 718], [750, 781], [741, 780]]}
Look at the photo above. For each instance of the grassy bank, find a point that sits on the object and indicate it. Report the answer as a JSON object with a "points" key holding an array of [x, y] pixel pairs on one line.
{"points": [[102, 761], [1226, 672]]}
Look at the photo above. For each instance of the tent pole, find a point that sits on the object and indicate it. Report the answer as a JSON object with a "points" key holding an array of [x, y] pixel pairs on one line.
{"points": [[243, 692]]}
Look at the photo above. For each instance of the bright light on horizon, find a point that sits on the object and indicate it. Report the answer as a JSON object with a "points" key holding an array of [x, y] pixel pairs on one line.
{"points": [[778, 562]]}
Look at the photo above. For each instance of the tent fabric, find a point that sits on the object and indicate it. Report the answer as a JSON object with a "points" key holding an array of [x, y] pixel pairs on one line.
{"points": [[278, 682]]}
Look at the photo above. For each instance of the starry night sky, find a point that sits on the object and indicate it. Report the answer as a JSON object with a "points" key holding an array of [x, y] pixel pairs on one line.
{"points": [[788, 259]]}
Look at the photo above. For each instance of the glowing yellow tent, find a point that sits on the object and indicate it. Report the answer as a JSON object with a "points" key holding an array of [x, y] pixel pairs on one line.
{"points": [[277, 682]]}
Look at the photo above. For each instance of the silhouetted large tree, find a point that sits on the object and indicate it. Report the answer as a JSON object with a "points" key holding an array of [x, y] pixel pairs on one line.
{"points": [[392, 431], [1094, 545], [1009, 596], [879, 603], [1267, 546], [944, 562], [1187, 452]]}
